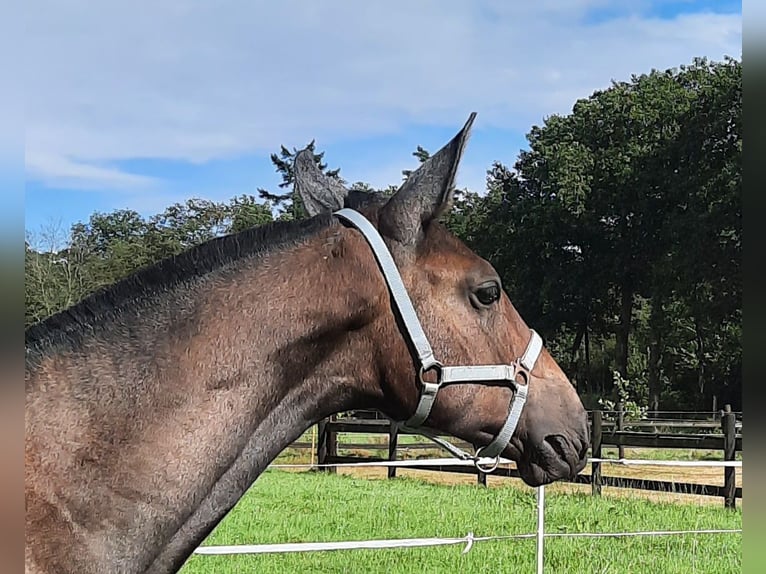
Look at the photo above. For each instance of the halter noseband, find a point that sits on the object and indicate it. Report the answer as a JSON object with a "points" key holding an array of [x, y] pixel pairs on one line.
{"points": [[500, 375]]}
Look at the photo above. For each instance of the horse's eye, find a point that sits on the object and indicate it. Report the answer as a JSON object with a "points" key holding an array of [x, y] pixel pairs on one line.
{"points": [[488, 293]]}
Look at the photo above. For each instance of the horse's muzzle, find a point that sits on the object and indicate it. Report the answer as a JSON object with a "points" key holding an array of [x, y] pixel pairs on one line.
{"points": [[556, 457]]}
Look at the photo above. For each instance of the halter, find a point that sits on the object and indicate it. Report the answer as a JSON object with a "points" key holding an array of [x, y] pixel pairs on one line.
{"points": [[515, 376]]}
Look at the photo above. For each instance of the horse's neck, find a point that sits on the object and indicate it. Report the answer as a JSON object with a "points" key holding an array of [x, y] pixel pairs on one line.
{"points": [[298, 353], [282, 426], [224, 389]]}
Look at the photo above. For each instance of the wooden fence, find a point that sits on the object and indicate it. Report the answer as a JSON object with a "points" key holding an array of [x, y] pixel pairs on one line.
{"points": [[608, 429]]}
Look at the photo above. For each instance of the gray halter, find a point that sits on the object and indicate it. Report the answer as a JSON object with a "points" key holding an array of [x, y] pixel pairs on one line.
{"points": [[502, 375]]}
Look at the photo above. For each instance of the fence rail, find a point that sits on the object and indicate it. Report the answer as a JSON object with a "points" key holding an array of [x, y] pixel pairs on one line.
{"points": [[728, 442], [604, 433]]}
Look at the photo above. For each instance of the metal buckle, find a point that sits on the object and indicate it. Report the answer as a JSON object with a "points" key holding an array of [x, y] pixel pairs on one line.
{"points": [[485, 469], [520, 369], [433, 366], [429, 389]]}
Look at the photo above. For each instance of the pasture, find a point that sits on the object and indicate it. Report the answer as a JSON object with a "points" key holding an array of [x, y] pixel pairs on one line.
{"points": [[316, 507]]}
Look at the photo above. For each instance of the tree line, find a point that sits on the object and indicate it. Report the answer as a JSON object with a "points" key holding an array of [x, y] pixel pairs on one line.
{"points": [[617, 234]]}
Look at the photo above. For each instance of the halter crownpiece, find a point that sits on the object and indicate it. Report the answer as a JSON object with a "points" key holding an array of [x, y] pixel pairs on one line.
{"points": [[501, 375]]}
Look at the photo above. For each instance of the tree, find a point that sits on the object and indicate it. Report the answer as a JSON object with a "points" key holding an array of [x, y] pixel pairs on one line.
{"points": [[116, 243], [422, 154], [706, 258], [55, 276], [245, 211], [604, 222]]}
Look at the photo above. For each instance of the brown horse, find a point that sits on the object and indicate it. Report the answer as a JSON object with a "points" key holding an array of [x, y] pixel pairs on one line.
{"points": [[153, 405]]}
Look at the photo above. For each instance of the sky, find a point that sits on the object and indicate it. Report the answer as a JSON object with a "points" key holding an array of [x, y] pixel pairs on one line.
{"points": [[140, 104]]}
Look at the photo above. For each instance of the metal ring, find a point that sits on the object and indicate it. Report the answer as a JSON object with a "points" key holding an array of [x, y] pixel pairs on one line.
{"points": [[435, 366], [520, 370], [487, 469]]}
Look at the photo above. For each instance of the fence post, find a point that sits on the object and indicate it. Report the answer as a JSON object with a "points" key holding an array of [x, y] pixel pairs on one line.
{"points": [[321, 443], [332, 446], [481, 477], [540, 528], [595, 447], [729, 453], [620, 427], [393, 440]]}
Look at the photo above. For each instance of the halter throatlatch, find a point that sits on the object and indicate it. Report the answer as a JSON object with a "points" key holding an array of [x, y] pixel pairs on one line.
{"points": [[515, 376]]}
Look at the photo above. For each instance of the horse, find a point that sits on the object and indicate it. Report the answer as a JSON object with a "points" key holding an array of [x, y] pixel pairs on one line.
{"points": [[153, 404]]}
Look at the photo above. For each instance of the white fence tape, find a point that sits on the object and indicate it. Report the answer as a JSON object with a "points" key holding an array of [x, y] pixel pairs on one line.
{"points": [[324, 546], [488, 462], [649, 462], [468, 540], [540, 552], [400, 463]]}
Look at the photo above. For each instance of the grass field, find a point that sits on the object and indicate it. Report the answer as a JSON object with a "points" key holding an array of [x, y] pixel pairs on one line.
{"points": [[313, 507]]}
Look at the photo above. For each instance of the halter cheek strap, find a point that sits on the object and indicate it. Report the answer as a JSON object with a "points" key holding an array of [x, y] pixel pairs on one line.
{"points": [[515, 375]]}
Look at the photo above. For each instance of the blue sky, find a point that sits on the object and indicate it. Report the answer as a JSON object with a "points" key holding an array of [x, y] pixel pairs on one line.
{"points": [[141, 104]]}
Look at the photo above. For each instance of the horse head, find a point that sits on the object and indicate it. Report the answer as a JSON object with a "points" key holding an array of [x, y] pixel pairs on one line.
{"points": [[488, 380]]}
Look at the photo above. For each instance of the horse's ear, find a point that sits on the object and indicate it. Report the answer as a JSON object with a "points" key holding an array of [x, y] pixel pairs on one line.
{"points": [[426, 194], [319, 193]]}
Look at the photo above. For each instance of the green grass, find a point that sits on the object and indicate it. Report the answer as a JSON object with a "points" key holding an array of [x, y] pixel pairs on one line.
{"points": [[315, 507]]}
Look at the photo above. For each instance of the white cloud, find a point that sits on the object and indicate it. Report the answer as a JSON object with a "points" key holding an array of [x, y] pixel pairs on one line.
{"points": [[110, 81], [60, 170]]}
